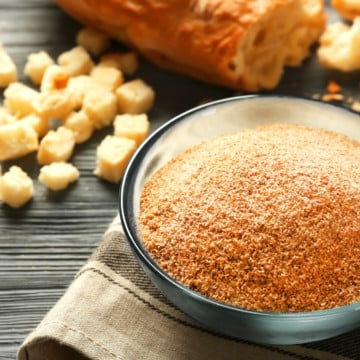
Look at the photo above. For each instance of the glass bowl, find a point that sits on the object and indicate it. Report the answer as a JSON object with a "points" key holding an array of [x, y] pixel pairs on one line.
{"points": [[210, 120]]}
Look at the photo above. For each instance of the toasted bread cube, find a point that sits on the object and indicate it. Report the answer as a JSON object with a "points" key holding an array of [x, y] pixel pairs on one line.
{"points": [[55, 78], [80, 125], [55, 104], [113, 155], [100, 106], [76, 61], [58, 175], [36, 65], [134, 127], [56, 145], [109, 78], [20, 99], [6, 117], [16, 187], [77, 87], [39, 123], [340, 46], [135, 97], [8, 70], [17, 139], [127, 62], [92, 40]]}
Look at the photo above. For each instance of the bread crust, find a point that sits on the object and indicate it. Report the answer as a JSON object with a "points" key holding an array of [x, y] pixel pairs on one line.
{"points": [[235, 43], [349, 9]]}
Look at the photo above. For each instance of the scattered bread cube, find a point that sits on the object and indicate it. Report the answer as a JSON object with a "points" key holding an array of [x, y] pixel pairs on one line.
{"points": [[17, 139], [81, 126], [54, 104], [36, 65], [340, 46], [55, 78], [127, 62], [77, 87], [57, 145], [134, 127], [76, 61], [58, 175], [16, 187], [92, 40], [109, 78], [112, 157], [100, 106], [135, 97], [39, 123], [6, 117], [8, 70], [20, 99]]}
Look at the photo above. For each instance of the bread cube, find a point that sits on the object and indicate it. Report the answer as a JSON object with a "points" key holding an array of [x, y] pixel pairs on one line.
{"points": [[92, 40], [6, 117], [55, 104], [55, 78], [76, 61], [58, 175], [16, 187], [135, 97], [134, 127], [127, 62], [8, 70], [17, 139], [107, 77], [20, 99], [77, 87], [40, 124], [57, 145], [100, 106], [36, 65], [112, 157], [80, 125]]}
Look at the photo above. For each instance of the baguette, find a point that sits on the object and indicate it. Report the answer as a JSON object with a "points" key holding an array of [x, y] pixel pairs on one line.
{"points": [[234, 43]]}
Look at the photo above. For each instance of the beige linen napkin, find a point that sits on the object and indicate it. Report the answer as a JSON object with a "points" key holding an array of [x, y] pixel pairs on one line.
{"points": [[112, 311]]}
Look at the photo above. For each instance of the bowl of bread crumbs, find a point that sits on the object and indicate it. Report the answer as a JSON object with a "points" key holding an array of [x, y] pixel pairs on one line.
{"points": [[245, 213]]}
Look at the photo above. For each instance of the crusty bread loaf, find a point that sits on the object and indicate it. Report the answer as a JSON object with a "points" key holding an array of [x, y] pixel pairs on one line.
{"points": [[349, 9], [264, 219], [243, 44]]}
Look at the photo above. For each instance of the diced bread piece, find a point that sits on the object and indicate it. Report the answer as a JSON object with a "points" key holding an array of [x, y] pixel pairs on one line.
{"points": [[58, 175], [349, 9], [16, 187], [92, 40], [135, 97], [108, 77], [127, 62], [57, 145], [340, 46], [36, 65], [20, 99], [8, 70], [134, 127], [17, 139], [112, 157], [55, 78], [77, 87], [81, 126], [39, 123], [76, 61], [54, 104], [100, 106]]}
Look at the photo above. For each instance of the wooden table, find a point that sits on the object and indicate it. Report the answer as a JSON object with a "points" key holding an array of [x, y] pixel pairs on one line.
{"points": [[43, 244]]}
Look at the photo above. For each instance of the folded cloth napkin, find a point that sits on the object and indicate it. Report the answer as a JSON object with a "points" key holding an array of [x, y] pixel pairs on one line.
{"points": [[112, 311]]}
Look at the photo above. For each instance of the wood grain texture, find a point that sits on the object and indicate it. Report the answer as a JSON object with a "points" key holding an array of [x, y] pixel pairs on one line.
{"points": [[43, 244]]}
